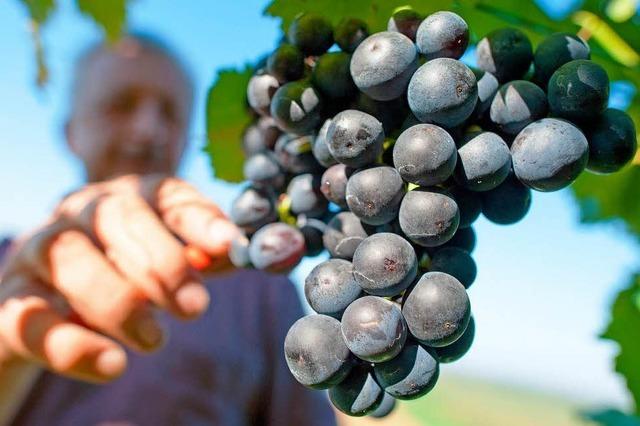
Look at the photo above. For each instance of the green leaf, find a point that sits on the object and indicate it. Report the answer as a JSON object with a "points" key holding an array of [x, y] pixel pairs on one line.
{"points": [[482, 16], [627, 30], [110, 15], [39, 10], [375, 13], [611, 417], [227, 117], [610, 197], [623, 329]]}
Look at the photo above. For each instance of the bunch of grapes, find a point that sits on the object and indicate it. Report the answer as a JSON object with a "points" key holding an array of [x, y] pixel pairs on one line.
{"points": [[384, 151]]}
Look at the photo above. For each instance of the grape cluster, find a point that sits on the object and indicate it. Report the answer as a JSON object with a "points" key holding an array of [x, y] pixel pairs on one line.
{"points": [[384, 151]]}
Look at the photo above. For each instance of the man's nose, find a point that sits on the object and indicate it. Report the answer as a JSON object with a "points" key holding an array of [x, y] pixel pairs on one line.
{"points": [[149, 125]]}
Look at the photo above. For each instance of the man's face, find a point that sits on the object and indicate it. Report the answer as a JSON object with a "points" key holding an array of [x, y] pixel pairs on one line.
{"points": [[131, 113]]}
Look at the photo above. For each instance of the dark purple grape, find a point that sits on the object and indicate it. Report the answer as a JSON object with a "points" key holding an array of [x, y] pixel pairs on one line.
{"points": [[443, 91], [437, 309], [260, 90], [484, 161], [506, 53], [296, 108], [405, 21], [410, 375], [549, 154], [443, 35], [508, 203], [428, 217], [332, 76], [488, 86], [358, 394], [373, 328], [264, 171], [460, 347], [253, 209], [295, 154], [465, 238], [311, 33], [578, 91], [276, 247], [330, 287], [286, 63], [425, 155], [349, 33], [355, 138], [612, 141], [374, 194], [315, 352], [313, 231], [306, 198], [239, 251], [469, 205], [260, 136], [343, 235], [321, 149], [383, 63], [555, 51], [390, 113], [517, 104], [384, 264], [393, 227], [387, 405], [456, 262], [333, 184]]}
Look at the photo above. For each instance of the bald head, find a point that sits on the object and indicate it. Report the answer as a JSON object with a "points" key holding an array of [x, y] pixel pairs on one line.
{"points": [[131, 105]]}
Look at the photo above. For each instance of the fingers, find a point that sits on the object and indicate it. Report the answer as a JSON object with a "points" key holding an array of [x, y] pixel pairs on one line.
{"points": [[145, 252], [32, 327], [69, 261], [192, 217], [186, 213]]}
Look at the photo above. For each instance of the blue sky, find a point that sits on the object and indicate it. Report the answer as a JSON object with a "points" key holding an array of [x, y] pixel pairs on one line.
{"points": [[544, 286]]}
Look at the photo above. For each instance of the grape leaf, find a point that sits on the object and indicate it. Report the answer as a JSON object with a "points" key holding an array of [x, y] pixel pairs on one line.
{"points": [[623, 329], [628, 30], [610, 197], [375, 13], [482, 15], [227, 116], [109, 15], [611, 417], [39, 10]]}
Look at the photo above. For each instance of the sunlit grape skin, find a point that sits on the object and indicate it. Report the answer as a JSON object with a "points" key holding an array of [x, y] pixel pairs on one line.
{"points": [[315, 352], [549, 154], [330, 287], [443, 91], [411, 374], [384, 264], [383, 63], [374, 329], [448, 314], [374, 194]]}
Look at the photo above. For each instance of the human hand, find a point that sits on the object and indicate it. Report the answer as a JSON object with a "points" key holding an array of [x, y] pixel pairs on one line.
{"points": [[87, 282]]}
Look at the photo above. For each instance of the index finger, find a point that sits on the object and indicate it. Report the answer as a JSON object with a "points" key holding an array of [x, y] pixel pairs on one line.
{"points": [[190, 215]]}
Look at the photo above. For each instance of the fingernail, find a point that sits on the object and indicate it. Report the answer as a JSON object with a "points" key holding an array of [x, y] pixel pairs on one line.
{"points": [[192, 299], [148, 333], [221, 232], [111, 362]]}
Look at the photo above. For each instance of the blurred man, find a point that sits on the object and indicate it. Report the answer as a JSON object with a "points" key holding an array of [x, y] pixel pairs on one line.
{"points": [[106, 279]]}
